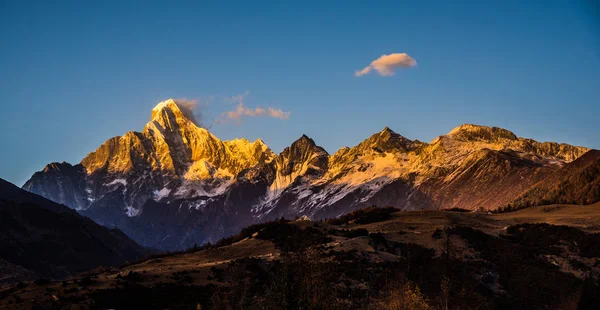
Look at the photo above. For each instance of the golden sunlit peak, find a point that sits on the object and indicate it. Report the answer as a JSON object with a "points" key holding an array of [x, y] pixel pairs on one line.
{"points": [[163, 104]]}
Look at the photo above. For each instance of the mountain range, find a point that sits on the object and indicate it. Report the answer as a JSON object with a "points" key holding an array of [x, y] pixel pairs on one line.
{"points": [[174, 184]]}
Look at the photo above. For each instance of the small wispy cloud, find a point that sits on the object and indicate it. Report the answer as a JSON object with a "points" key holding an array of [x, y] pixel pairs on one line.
{"points": [[241, 110], [278, 113], [386, 65], [192, 109]]}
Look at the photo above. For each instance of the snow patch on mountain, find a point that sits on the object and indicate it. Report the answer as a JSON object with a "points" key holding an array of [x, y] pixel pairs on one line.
{"points": [[131, 211], [160, 194], [117, 181], [202, 169]]}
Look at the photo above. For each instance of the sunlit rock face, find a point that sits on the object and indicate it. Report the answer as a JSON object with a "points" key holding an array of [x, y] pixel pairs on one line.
{"points": [[171, 158], [175, 184]]}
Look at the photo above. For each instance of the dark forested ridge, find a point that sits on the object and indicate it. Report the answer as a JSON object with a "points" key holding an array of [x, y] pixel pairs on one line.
{"points": [[52, 241]]}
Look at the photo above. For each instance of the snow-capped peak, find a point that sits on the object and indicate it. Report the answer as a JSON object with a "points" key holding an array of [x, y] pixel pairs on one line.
{"points": [[169, 103]]}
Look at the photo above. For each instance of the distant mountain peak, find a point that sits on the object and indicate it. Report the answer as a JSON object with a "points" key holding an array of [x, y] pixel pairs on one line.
{"points": [[387, 134], [479, 132], [386, 129], [169, 112], [304, 141], [56, 166], [305, 137], [387, 140]]}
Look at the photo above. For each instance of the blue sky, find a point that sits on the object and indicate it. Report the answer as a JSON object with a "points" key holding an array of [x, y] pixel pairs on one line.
{"points": [[73, 74]]}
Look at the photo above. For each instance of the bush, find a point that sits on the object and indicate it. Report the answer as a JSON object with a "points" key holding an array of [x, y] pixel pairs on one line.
{"points": [[401, 296]]}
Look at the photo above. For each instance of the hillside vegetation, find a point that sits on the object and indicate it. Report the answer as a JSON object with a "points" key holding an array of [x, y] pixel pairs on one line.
{"points": [[576, 183], [404, 260]]}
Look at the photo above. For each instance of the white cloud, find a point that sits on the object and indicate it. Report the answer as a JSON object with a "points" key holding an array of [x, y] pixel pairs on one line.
{"points": [[278, 113], [386, 65], [187, 106], [242, 111], [194, 109]]}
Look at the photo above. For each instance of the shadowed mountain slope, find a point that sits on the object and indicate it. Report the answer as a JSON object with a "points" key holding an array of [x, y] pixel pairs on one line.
{"points": [[52, 241]]}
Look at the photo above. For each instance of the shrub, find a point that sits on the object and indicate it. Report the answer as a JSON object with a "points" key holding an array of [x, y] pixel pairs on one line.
{"points": [[401, 296]]}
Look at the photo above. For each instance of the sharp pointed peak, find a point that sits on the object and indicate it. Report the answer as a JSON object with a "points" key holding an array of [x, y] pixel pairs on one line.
{"points": [[166, 104], [173, 108], [387, 133], [386, 139], [387, 129], [305, 142], [259, 141], [305, 138]]}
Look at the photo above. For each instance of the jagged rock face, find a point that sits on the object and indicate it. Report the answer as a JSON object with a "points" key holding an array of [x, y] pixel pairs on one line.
{"points": [[302, 159], [171, 157], [175, 184]]}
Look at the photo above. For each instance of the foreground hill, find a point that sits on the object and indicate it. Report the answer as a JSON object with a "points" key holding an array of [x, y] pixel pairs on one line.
{"points": [[370, 259], [174, 184], [42, 239]]}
